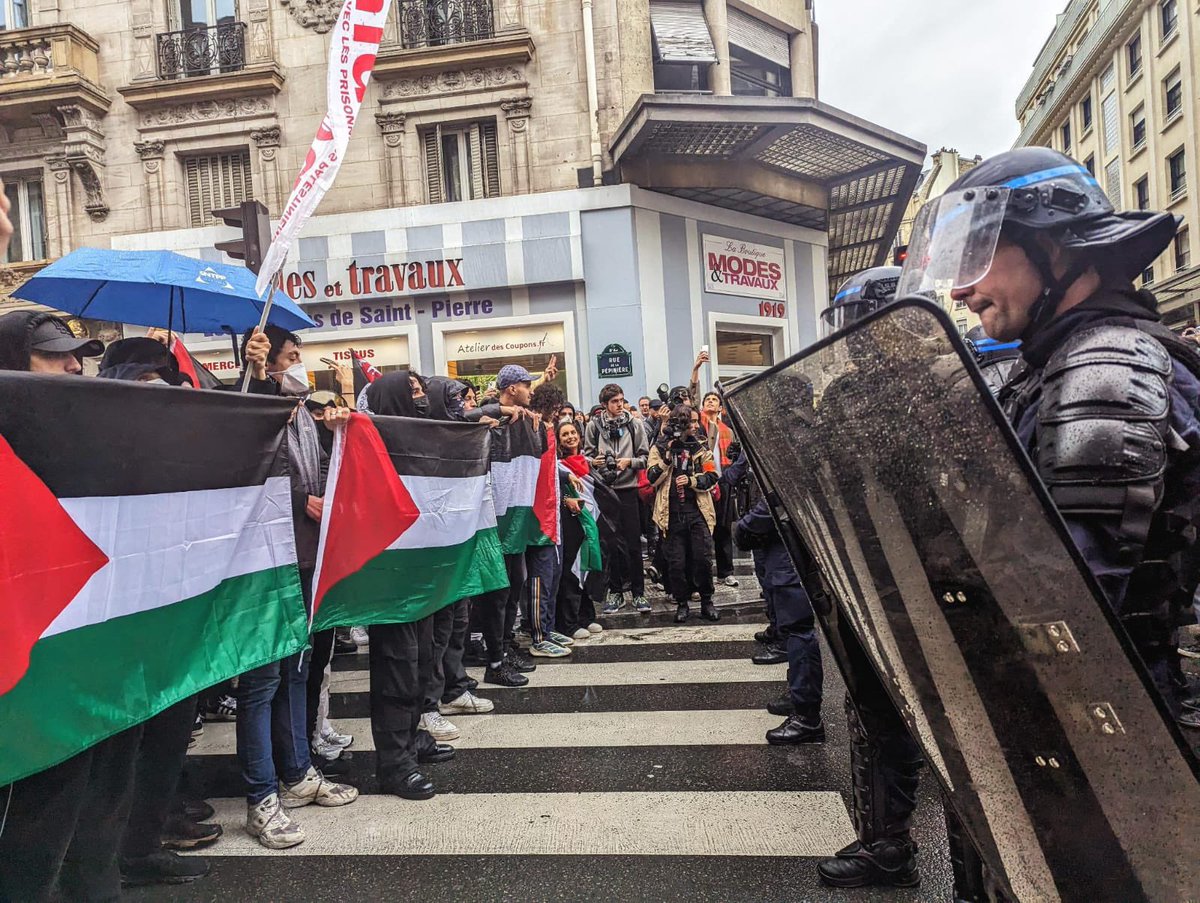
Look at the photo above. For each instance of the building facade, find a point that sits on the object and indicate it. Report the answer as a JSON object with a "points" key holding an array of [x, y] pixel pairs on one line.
{"points": [[1115, 88], [655, 175]]}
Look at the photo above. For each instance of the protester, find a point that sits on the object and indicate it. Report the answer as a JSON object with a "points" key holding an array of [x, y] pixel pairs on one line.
{"points": [[682, 471], [273, 700], [576, 613], [617, 448], [720, 438]]}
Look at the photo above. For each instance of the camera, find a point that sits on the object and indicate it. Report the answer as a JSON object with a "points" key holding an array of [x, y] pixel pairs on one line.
{"points": [[609, 472]]}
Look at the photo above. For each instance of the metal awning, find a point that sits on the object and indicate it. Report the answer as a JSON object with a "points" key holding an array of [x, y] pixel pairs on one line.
{"points": [[759, 38], [795, 160], [681, 32]]}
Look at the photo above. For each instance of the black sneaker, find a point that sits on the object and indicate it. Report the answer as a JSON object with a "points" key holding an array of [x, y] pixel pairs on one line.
{"points": [[344, 646], [475, 653], [332, 768], [782, 706], [198, 810], [181, 833], [472, 684], [162, 867], [505, 676], [521, 663]]}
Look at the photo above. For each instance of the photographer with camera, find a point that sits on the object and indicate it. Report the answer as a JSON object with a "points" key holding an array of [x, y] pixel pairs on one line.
{"points": [[617, 447], [683, 473]]}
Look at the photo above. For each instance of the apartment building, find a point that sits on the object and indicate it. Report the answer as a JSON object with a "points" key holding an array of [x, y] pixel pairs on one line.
{"points": [[1115, 88], [617, 182]]}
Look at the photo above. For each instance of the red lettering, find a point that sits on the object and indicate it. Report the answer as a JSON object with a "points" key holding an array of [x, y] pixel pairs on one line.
{"points": [[362, 72], [455, 276], [310, 285], [293, 285], [436, 273], [416, 276], [369, 6], [368, 34], [775, 271]]}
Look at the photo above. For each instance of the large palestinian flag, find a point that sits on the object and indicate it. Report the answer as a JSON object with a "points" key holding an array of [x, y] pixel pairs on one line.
{"points": [[146, 553], [524, 485], [409, 526]]}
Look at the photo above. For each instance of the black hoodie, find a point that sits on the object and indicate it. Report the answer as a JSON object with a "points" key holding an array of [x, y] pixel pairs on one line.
{"points": [[445, 398], [391, 395], [16, 331]]}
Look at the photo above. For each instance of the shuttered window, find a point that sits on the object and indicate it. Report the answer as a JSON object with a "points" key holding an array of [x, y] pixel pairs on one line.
{"points": [[215, 181], [1111, 116], [461, 162], [680, 32], [759, 38], [1112, 182]]}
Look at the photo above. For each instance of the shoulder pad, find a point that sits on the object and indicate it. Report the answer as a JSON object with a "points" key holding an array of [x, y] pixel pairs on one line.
{"points": [[1107, 371]]}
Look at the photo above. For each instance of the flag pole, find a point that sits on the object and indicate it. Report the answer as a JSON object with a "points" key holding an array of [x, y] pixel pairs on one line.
{"points": [[262, 323]]}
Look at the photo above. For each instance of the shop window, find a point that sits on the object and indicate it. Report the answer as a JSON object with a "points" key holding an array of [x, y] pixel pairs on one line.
{"points": [[461, 162], [1183, 249], [475, 356], [742, 350], [753, 76], [215, 181], [14, 14], [1141, 193], [1168, 16], [1133, 54], [1173, 94], [1065, 134], [1085, 114], [1177, 173], [27, 212], [1137, 123]]}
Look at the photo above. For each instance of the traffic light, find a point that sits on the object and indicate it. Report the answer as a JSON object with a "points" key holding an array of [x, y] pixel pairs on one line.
{"points": [[900, 255], [254, 221]]}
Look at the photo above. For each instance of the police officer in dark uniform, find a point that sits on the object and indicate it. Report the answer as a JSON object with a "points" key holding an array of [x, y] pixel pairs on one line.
{"points": [[1106, 400], [793, 620], [996, 360]]}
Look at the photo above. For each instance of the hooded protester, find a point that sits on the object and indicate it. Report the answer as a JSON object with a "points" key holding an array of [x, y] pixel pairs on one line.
{"points": [[141, 360], [42, 343], [395, 394], [445, 398]]}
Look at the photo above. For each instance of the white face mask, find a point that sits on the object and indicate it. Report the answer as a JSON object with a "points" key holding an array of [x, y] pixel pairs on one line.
{"points": [[157, 381], [295, 380]]}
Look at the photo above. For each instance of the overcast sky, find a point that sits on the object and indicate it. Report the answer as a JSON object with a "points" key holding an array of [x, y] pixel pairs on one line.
{"points": [[945, 72]]}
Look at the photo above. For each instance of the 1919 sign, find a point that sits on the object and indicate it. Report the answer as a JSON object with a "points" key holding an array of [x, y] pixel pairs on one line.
{"points": [[772, 309]]}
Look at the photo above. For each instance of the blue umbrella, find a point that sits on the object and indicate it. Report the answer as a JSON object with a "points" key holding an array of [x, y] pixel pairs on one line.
{"points": [[157, 288]]}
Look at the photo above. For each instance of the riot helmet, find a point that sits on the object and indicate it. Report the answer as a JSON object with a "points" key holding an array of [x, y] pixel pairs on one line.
{"points": [[861, 294], [1016, 195]]}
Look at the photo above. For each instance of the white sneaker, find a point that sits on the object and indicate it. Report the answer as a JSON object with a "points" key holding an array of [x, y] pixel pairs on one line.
{"points": [[271, 826], [326, 749], [595, 628], [314, 788], [439, 728], [330, 735], [582, 633], [358, 636], [731, 581], [467, 704]]}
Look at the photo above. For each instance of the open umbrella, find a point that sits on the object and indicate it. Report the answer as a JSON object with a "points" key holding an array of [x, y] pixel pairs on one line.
{"points": [[157, 288]]}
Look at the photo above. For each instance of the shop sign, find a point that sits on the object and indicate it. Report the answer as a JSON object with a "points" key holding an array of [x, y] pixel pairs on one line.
{"points": [[401, 277], [614, 362], [385, 351], [523, 341], [745, 269]]}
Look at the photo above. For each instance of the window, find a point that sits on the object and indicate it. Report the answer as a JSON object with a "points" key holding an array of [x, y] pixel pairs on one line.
{"points": [[1177, 173], [1112, 182], [1137, 123], [1173, 89], [206, 38], [1133, 55], [435, 23], [962, 328], [1168, 12], [28, 216], [1111, 115], [753, 76], [1183, 251], [461, 162], [1085, 114], [1090, 163], [681, 78], [14, 14], [1065, 133], [1148, 276], [745, 349], [215, 181], [1141, 193]]}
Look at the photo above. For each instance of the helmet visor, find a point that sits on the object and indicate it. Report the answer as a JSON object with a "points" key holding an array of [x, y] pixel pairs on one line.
{"points": [[844, 313], [953, 242]]}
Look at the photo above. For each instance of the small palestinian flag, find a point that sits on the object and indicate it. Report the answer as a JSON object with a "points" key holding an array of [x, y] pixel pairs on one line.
{"points": [[365, 373], [201, 376], [524, 486], [146, 553], [409, 526]]}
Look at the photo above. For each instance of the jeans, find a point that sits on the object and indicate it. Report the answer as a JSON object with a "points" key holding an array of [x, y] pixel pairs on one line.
{"points": [[272, 740]]}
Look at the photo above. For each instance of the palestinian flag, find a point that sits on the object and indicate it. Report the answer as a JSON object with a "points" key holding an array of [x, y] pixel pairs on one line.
{"points": [[146, 553], [365, 373], [409, 526], [524, 486], [201, 376], [589, 560]]}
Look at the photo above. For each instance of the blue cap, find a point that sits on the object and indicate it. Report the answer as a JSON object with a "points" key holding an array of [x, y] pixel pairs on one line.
{"points": [[511, 374]]}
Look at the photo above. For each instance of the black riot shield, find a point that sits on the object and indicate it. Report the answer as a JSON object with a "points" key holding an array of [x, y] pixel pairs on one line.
{"points": [[891, 463]]}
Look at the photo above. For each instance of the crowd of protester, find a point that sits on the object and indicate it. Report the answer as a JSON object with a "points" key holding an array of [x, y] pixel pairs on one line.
{"points": [[654, 472]]}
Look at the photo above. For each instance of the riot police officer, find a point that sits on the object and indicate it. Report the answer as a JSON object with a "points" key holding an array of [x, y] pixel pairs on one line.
{"points": [[1106, 400], [996, 360]]}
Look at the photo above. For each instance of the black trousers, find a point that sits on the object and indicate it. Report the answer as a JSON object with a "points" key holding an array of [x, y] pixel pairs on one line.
{"points": [[65, 824], [322, 654], [445, 679], [398, 653], [723, 533], [575, 606], [688, 550], [627, 568], [159, 766], [497, 610]]}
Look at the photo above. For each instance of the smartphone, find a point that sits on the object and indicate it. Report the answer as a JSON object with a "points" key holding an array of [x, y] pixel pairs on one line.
{"points": [[326, 360], [704, 349]]}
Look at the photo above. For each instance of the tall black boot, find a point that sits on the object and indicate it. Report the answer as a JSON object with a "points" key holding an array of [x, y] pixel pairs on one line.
{"points": [[885, 766]]}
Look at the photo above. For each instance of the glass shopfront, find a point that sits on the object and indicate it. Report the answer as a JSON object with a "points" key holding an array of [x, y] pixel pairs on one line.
{"points": [[475, 356]]}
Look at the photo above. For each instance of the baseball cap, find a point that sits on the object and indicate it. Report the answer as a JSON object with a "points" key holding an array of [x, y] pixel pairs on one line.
{"points": [[53, 336], [511, 374]]}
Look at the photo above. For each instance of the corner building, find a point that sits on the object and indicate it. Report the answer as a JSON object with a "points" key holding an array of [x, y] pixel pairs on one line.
{"points": [[1115, 87], [618, 182]]}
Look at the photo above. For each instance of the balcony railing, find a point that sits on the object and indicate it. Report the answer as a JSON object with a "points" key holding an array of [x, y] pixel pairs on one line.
{"points": [[202, 51], [51, 60], [435, 23]]}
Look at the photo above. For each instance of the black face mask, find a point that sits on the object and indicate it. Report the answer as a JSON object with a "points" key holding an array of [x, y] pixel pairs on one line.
{"points": [[422, 405]]}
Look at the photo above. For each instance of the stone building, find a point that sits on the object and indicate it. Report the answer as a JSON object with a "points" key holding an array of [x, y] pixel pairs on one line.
{"points": [[612, 181], [1115, 88]]}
